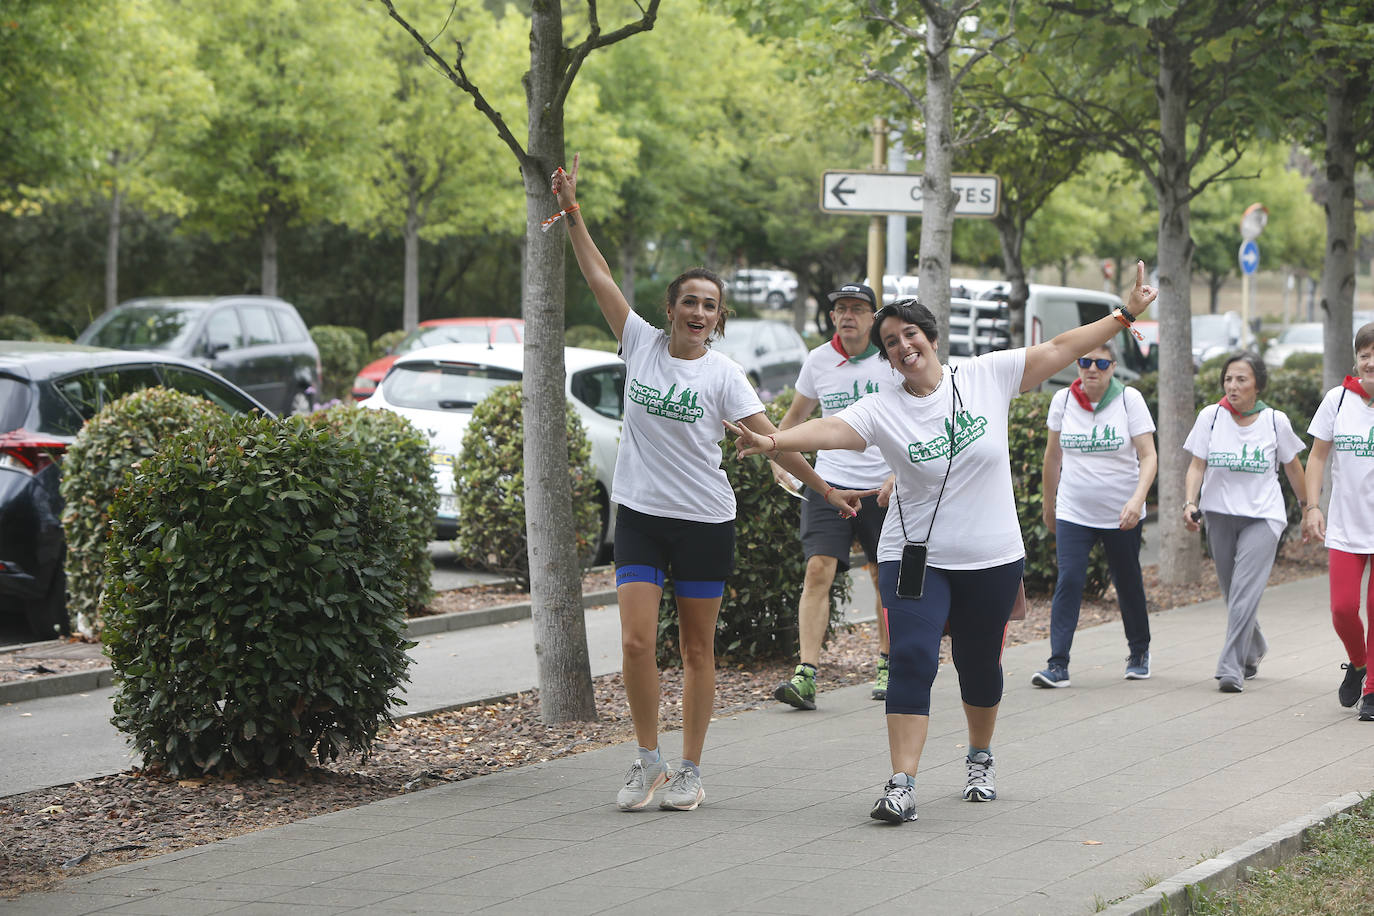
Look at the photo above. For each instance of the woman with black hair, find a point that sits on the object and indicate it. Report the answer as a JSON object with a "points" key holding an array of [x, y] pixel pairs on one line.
{"points": [[951, 551], [1238, 445]]}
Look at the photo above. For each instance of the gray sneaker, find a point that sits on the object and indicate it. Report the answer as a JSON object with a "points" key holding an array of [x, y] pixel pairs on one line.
{"points": [[897, 804], [1138, 667], [684, 791], [640, 784], [982, 778]]}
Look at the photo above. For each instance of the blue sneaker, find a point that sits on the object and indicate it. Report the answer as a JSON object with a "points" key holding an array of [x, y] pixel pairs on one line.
{"points": [[1138, 667], [1053, 676]]}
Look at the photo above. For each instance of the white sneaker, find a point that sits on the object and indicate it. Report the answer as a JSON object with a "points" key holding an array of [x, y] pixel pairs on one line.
{"points": [[684, 791], [640, 784], [897, 805], [982, 778]]}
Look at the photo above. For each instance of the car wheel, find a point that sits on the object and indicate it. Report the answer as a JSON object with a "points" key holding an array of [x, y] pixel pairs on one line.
{"points": [[47, 616], [300, 403], [776, 300]]}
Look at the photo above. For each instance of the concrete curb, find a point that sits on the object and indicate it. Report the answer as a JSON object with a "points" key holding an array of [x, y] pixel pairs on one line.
{"points": [[56, 685], [1175, 896]]}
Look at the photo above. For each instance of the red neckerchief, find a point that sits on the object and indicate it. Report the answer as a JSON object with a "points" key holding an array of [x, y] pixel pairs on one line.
{"points": [[839, 348], [1259, 405], [1076, 390], [1351, 383]]}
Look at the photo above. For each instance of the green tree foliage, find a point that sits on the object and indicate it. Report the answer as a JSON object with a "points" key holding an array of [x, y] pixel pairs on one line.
{"points": [[258, 617], [490, 479], [124, 433]]}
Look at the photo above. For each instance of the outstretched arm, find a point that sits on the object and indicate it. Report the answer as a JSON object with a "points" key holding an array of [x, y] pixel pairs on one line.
{"points": [[1044, 360], [760, 429], [594, 268]]}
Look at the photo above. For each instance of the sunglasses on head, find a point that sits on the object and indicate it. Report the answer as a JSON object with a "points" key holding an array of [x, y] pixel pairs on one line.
{"points": [[1086, 361]]}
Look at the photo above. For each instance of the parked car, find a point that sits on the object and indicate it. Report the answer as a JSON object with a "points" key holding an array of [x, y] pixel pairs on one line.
{"points": [[1139, 355], [761, 286], [771, 352], [259, 343], [437, 331], [436, 388], [1216, 334], [47, 393], [1305, 337]]}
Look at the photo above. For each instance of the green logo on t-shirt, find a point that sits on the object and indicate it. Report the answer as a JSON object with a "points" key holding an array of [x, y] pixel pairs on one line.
{"points": [[1362, 447], [1247, 462], [1106, 441], [970, 429], [838, 400], [674, 405]]}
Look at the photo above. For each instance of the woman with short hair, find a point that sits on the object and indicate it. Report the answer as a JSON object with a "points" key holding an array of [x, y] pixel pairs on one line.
{"points": [[1238, 444]]}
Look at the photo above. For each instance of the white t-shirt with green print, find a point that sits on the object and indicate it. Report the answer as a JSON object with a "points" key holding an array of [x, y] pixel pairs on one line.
{"points": [[670, 460], [976, 525], [1350, 521], [834, 379], [1099, 469], [1242, 463]]}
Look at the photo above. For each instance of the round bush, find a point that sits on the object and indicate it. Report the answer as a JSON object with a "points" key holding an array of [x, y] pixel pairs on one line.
{"points": [[1303, 361], [255, 603], [491, 488], [123, 433], [343, 351], [17, 327], [591, 336], [758, 618], [384, 344], [401, 453]]}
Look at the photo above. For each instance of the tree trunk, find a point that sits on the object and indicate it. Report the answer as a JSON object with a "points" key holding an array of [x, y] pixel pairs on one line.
{"points": [[410, 295], [269, 257], [1338, 273], [937, 196], [1011, 233], [112, 247], [560, 634], [801, 306], [1180, 557]]}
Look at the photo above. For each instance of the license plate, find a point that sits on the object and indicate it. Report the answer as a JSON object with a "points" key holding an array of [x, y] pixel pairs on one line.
{"points": [[448, 506]]}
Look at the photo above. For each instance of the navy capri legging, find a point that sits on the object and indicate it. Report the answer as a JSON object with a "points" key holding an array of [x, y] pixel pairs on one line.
{"points": [[976, 603]]}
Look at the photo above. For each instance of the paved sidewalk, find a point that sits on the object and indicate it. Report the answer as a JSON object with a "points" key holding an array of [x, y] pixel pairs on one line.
{"points": [[1104, 788]]}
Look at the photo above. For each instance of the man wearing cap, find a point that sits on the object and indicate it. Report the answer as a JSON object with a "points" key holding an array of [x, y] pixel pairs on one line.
{"points": [[835, 375]]}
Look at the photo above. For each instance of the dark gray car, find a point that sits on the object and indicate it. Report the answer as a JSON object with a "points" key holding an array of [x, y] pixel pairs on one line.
{"points": [[47, 393], [259, 343]]}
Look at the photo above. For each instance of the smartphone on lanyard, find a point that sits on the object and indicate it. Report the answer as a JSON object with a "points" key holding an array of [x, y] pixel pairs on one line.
{"points": [[911, 572]]}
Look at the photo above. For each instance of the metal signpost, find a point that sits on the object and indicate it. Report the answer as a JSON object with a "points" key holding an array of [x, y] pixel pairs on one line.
{"points": [[1252, 223]]}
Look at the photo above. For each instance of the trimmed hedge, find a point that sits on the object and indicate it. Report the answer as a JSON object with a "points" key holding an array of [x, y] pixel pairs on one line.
{"points": [[343, 351], [491, 488], [255, 599], [401, 453], [758, 618], [382, 345], [122, 434]]}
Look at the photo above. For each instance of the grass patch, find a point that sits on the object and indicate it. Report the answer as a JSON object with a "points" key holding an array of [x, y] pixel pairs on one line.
{"points": [[1334, 876]]}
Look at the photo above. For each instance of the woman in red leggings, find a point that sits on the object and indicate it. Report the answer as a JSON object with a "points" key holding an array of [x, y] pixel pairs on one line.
{"points": [[1344, 429]]}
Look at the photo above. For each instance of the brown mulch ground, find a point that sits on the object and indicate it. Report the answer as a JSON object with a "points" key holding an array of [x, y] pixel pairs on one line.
{"points": [[50, 834]]}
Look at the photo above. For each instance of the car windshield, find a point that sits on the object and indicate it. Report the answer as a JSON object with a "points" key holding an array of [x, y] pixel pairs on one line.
{"points": [[445, 333], [1211, 329], [1302, 334], [737, 342], [443, 386], [144, 327]]}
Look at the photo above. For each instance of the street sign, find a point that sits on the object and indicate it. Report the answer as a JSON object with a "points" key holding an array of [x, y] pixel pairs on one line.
{"points": [[900, 193], [1249, 257]]}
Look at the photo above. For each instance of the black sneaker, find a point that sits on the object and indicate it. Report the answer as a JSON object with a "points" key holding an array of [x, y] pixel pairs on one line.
{"points": [[1367, 708], [1351, 684]]}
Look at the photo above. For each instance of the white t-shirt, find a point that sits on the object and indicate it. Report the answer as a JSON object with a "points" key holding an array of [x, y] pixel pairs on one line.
{"points": [[976, 525], [1242, 471], [836, 381], [1100, 467], [1350, 523], [669, 461]]}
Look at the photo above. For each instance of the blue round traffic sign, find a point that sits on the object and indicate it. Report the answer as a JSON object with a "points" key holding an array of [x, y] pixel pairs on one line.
{"points": [[1249, 257]]}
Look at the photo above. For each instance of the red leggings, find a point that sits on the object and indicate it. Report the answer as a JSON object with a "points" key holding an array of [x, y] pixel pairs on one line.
{"points": [[1345, 572]]}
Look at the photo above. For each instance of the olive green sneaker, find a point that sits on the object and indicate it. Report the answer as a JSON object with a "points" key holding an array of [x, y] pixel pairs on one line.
{"points": [[880, 682], [800, 690]]}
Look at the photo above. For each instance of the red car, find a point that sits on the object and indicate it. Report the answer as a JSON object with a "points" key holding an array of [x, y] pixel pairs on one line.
{"points": [[439, 331]]}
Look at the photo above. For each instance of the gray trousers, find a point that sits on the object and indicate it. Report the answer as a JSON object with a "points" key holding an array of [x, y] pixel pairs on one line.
{"points": [[1243, 550]]}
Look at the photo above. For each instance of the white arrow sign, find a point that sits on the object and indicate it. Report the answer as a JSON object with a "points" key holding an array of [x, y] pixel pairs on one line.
{"points": [[1249, 257], [900, 192]]}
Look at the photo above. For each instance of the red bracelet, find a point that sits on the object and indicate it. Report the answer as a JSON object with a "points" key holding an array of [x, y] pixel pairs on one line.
{"points": [[775, 443], [1120, 315], [548, 223], [827, 493]]}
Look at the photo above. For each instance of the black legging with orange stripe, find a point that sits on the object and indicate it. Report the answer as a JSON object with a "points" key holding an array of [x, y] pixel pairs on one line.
{"points": [[976, 604]]}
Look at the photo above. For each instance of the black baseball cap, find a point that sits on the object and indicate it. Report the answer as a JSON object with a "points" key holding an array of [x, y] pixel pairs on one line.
{"points": [[854, 291]]}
